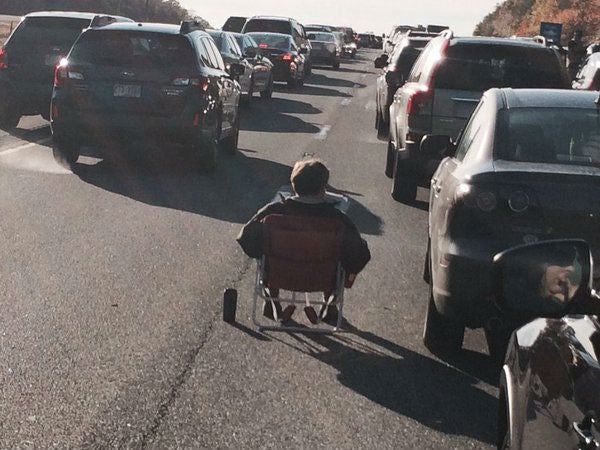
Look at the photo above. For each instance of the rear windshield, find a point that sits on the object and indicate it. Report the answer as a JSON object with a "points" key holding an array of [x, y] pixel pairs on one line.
{"points": [[134, 49], [234, 24], [323, 37], [549, 135], [218, 38], [480, 67], [268, 26], [42, 33], [271, 41]]}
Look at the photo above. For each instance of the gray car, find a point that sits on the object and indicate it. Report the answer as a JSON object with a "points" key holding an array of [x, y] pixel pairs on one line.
{"points": [[443, 88], [326, 49]]}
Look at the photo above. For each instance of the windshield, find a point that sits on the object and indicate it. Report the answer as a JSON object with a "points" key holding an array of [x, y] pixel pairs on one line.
{"points": [[218, 38], [323, 37], [37, 34], [133, 49], [549, 135], [481, 67], [270, 26], [271, 41]]}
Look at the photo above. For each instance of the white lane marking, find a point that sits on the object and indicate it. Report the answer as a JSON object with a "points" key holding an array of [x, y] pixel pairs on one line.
{"points": [[364, 75], [24, 146], [322, 134], [356, 86], [346, 101]]}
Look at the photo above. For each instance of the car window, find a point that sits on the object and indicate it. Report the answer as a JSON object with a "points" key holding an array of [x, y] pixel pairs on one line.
{"points": [[220, 42], [38, 34], [549, 135], [268, 26], [323, 37], [471, 132], [214, 54], [205, 55], [275, 41], [249, 42], [477, 67], [234, 47], [134, 49], [418, 69]]}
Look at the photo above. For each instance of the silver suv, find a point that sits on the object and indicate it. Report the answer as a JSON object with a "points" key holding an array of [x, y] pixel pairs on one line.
{"points": [[444, 87]]}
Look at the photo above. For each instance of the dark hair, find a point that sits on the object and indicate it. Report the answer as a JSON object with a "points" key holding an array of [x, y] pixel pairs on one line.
{"points": [[309, 177]]}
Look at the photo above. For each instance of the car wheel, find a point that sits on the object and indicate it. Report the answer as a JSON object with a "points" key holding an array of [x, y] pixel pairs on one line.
{"points": [[382, 127], [229, 305], [250, 94], [404, 185], [65, 152], [503, 439], [206, 150], [390, 160], [441, 334], [496, 346], [426, 267], [292, 83], [336, 65], [9, 118], [377, 118], [268, 92], [230, 143]]}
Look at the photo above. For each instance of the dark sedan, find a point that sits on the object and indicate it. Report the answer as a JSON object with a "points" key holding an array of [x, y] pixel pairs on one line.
{"points": [[395, 72], [326, 49], [526, 168], [288, 60]]}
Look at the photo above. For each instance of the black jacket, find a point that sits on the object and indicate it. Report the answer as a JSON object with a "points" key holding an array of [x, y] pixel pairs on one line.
{"points": [[355, 252]]}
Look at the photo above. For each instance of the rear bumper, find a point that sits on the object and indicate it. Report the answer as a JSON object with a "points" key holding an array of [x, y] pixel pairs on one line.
{"points": [[283, 72], [463, 281]]}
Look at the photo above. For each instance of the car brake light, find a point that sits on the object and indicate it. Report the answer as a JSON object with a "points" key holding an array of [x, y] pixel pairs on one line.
{"points": [[3, 58], [287, 57], [419, 102], [201, 82], [263, 45], [474, 197], [62, 73]]}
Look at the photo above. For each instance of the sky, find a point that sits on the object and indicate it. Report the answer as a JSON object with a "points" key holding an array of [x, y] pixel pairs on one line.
{"points": [[364, 15]]}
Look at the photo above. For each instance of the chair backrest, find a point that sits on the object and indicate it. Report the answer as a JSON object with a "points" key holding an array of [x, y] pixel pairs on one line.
{"points": [[301, 253]]}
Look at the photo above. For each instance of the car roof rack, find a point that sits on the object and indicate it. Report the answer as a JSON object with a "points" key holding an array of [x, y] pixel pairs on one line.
{"points": [[101, 21], [187, 26]]}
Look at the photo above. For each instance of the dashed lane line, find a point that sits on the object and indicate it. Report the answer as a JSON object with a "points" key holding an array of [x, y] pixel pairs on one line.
{"points": [[24, 146], [346, 102]]}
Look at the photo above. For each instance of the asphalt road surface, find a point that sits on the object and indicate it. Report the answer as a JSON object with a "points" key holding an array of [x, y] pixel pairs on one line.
{"points": [[111, 283]]}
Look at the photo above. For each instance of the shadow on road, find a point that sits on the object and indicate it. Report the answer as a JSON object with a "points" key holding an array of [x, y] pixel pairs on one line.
{"points": [[273, 117], [312, 90], [323, 80], [233, 193], [435, 394]]}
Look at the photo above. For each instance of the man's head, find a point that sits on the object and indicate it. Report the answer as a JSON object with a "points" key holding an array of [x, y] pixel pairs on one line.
{"points": [[309, 178]]}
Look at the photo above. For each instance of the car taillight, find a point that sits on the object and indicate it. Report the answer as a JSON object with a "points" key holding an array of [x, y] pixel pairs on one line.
{"points": [[287, 57], [420, 102], [63, 72], [475, 197], [201, 82], [3, 58], [263, 45]]}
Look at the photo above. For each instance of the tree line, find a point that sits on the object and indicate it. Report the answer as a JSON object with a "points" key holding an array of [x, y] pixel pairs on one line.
{"points": [[165, 11], [523, 17]]}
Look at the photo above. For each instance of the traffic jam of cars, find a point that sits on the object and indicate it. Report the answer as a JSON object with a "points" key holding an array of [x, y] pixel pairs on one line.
{"points": [[506, 142]]}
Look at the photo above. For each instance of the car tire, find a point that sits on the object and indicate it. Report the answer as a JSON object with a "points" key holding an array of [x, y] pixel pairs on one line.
{"points": [[65, 152], [268, 92], [390, 160], [496, 347], [9, 118], [441, 334], [382, 127], [206, 150], [426, 266], [250, 94], [404, 185], [230, 143], [377, 118], [292, 83], [336, 65]]}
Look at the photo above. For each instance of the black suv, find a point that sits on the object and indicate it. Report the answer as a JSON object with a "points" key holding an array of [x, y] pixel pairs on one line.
{"points": [[28, 59], [127, 81]]}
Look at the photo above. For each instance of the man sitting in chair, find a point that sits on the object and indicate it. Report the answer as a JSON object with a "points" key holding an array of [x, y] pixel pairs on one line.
{"points": [[309, 180]]}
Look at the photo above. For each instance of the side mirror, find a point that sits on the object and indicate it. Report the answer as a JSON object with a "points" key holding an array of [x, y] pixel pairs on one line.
{"points": [[251, 52], [236, 70], [381, 61], [437, 145], [312, 36], [303, 50], [542, 279]]}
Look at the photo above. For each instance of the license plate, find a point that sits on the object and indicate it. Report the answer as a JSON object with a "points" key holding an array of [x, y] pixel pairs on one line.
{"points": [[127, 90]]}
